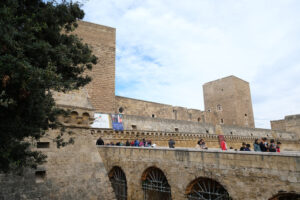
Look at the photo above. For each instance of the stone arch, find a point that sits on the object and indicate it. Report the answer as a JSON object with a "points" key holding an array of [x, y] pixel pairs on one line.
{"points": [[206, 189], [74, 116], [155, 184], [286, 196], [118, 181], [85, 118]]}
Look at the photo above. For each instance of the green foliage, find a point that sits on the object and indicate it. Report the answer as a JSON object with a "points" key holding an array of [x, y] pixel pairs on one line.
{"points": [[37, 55]]}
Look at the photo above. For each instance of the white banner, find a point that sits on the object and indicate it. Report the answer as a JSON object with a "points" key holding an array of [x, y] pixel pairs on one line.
{"points": [[101, 121]]}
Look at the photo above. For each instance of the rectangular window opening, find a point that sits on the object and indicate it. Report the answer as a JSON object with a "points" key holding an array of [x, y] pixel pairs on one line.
{"points": [[133, 127], [176, 129], [40, 176], [43, 144]]}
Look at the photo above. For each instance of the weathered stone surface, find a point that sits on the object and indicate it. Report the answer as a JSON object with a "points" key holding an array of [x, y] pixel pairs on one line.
{"points": [[72, 172], [245, 175]]}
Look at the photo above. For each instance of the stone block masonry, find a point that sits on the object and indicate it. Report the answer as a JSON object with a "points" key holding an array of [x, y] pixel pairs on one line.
{"points": [[73, 172], [102, 39]]}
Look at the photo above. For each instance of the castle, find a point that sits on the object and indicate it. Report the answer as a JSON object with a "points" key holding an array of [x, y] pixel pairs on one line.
{"points": [[86, 171]]}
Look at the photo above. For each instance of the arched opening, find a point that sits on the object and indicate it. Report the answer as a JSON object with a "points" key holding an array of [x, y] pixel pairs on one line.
{"points": [[286, 196], [118, 181], [155, 185], [206, 189], [85, 118], [74, 116]]}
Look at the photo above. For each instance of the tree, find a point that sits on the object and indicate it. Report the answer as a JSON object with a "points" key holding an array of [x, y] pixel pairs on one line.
{"points": [[38, 55]]}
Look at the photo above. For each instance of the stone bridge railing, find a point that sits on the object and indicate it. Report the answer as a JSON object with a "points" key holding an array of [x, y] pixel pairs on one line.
{"points": [[244, 175]]}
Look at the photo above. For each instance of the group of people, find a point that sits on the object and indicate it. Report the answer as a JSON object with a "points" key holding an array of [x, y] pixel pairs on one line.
{"points": [[260, 145], [133, 143], [264, 146]]}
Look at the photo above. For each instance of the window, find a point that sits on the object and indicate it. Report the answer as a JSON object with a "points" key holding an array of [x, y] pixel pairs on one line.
{"points": [[42, 144], [133, 127], [40, 176], [207, 131], [221, 121], [176, 129], [208, 110], [153, 116], [246, 115], [121, 109], [199, 119], [219, 107]]}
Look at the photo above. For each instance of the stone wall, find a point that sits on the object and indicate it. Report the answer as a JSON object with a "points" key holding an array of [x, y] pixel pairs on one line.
{"points": [[100, 93], [142, 108], [278, 125], [228, 101], [72, 172], [244, 175], [290, 123], [153, 124]]}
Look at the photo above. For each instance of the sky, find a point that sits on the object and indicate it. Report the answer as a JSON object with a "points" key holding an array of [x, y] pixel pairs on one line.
{"points": [[166, 50]]}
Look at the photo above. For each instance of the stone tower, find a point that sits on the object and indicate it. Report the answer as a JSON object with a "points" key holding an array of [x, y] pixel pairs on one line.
{"points": [[100, 92], [228, 101]]}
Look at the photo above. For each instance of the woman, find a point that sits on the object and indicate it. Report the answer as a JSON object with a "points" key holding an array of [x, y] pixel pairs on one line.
{"points": [[256, 145]]}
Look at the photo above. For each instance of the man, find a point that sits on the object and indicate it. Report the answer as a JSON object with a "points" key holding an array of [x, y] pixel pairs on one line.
{"points": [[243, 147], [264, 145], [100, 141], [171, 143]]}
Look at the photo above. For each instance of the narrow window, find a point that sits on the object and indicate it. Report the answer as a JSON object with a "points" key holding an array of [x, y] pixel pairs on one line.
{"points": [[222, 121], [40, 176], [199, 119], [219, 107], [176, 129], [133, 127], [246, 115], [153, 116], [207, 131], [42, 144]]}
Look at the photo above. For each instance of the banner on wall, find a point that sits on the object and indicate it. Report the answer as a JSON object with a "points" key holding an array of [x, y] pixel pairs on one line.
{"points": [[117, 122], [101, 121]]}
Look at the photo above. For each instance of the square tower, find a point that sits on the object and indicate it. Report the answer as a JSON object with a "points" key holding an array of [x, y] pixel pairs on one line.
{"points": [[228, 101], [102, 40]]}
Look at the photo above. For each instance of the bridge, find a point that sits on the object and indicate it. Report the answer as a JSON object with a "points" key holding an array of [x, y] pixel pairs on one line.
{"points": [[181, 173]]}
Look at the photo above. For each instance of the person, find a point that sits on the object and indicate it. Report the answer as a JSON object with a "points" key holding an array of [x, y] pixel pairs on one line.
{"points": [[243, 147], [127, 143], [264, 145], [278, 147], [144, 142], [256, 145], [272, 147], [171, 143], [223, 145], [202, 144], [247, 148], [136, 143], [141, 143], [100, 141]]}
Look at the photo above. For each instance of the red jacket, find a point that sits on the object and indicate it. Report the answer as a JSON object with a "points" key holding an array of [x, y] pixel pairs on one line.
{"points": [[223, 145]]}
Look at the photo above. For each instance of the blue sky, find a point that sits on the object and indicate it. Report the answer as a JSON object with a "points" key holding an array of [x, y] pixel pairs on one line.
{"points": [[166, 50]]}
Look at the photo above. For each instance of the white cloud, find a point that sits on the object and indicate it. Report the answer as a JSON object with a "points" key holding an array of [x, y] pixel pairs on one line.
{"points": [[167, 50]]}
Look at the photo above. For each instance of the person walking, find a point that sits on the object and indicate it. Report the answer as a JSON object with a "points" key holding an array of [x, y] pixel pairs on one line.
{"points": [[171, 143], [100, 141], [256, 145]]}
